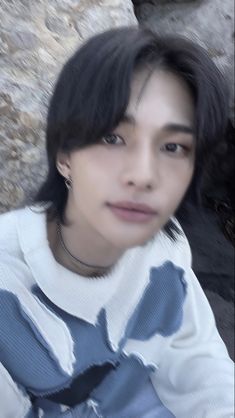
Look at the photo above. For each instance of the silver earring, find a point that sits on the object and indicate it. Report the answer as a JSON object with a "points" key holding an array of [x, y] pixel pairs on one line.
{"points": [[68, 182]]}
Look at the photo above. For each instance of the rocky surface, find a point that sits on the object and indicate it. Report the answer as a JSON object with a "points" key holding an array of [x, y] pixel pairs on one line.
{"points": [[36, 37]]}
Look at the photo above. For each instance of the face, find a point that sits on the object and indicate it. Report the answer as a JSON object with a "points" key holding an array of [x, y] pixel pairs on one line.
{"points": [[148, 159]]}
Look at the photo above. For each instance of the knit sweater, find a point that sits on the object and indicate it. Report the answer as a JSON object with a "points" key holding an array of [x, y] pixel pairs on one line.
{"points": [[146, 327]]}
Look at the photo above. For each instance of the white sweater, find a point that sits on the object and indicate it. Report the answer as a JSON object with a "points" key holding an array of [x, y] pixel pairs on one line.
{"points": [[148, 320]]}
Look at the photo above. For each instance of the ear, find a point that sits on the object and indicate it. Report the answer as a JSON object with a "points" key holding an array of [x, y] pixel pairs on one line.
{"points": [[63, 164]]}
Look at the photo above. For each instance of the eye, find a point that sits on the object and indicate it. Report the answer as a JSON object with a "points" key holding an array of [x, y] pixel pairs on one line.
{"points": [[112, 139], [174, 148]]}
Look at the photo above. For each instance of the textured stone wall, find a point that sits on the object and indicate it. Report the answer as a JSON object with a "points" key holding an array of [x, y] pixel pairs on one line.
{"points": [[36, 37]]}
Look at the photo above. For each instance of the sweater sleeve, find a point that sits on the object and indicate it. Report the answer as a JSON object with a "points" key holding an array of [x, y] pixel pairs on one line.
{"points": [[14, 400], [195, 376]]}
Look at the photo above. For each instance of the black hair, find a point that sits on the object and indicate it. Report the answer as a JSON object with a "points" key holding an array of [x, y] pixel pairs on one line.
{"points": [[93, 90]]}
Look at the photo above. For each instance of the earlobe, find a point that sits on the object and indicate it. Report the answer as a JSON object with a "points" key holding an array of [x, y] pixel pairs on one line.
{"points": [[63, 164]]}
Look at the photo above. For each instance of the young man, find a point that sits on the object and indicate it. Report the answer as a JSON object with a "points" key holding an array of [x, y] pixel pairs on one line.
{"points": [[101, 314]]}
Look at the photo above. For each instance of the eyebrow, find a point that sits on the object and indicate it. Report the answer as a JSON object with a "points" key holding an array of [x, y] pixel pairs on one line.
{"points": [[170, 127], [178, 127]]}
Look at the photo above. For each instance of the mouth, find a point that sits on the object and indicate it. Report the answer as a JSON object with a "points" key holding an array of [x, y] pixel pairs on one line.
{"points": [[131, 214]]}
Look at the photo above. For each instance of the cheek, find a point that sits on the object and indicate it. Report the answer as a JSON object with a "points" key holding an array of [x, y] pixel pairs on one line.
{"points": [[177, 183], [89, 179]]}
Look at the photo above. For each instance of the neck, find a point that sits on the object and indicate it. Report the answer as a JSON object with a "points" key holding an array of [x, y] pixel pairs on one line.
{"points": [[68, 262], [75, 260], [90, 251], [86, 243]]}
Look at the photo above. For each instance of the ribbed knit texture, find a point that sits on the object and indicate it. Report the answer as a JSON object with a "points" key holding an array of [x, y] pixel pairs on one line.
{"points": [[148, 321]]}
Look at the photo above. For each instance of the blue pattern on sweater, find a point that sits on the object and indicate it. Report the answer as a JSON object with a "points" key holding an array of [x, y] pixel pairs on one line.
{"points": [[88, 339], [23, 351], [160, 310], [120, 381]]}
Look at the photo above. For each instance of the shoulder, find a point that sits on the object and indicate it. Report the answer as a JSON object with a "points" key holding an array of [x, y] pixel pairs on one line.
{"points": [[20, 231], [8, 229], [17, 225]]}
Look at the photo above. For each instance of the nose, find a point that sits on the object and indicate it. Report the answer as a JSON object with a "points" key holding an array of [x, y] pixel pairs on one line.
{"points": [[141, 170]]}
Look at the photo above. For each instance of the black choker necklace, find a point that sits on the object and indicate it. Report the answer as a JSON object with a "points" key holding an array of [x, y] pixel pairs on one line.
{"points": [[73, 257]]}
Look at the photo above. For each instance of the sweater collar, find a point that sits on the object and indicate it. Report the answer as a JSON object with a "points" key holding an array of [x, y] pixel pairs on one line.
{"points": [[118, 292]]}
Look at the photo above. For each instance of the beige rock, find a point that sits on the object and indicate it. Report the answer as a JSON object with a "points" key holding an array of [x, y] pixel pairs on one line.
{"points": [[20, 40], [10, 194], [36, 37]]}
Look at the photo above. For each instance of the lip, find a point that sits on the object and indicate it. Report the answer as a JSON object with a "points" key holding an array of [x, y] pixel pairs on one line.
{"points": [[138, 207], [131, 212]]}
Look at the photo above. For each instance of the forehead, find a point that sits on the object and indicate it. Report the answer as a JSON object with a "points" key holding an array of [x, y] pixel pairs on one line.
{"points": [[162, 96]]}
